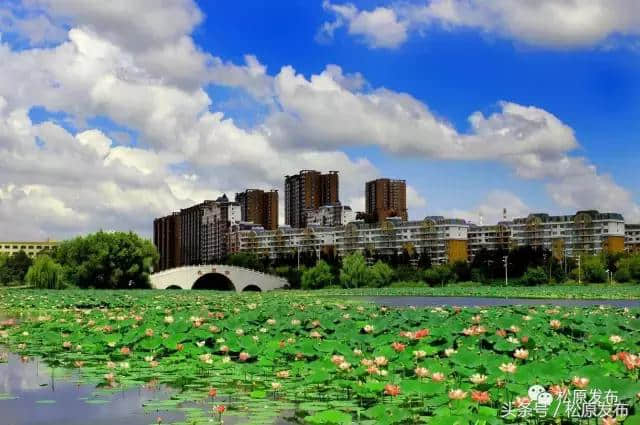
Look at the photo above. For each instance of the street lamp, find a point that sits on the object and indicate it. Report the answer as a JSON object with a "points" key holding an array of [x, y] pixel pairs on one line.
{"points": [[505, 259]]}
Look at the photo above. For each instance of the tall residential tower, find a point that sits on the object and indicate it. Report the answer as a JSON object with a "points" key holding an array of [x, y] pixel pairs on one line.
{"points": [[386, 198], [259, 207], [308, 190]]}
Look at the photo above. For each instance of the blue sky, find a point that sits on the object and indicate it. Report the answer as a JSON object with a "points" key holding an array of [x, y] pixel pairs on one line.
{"points": [[593, 89], [146, 108]]}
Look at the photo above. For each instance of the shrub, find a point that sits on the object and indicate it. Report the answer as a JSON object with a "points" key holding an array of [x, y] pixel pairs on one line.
{"points": [[408, 284], [535, 276], [354, 272], [380, 274], [623, 275], [318, 276]]}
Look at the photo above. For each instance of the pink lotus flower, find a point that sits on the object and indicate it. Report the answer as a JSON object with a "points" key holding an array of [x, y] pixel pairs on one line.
{"points": [[521, 354], [457, 394], [478, 379], [555, 324], [391, 390], [521, 402], [126, 351], [244, 356], [213, 392], [508, 367], [609, 421], [421, 372], [580, 382], [398, 347], [438, 377], [481, 397]]}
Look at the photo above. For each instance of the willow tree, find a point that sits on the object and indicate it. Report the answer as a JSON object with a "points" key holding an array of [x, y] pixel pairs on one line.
{"points": [[45, 273]]}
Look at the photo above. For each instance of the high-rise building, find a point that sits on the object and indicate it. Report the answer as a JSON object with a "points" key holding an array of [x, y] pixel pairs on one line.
{"points": [[166, 238], [259, 207], [308, 190], [386, 198], [191, 234], [217, 219]]}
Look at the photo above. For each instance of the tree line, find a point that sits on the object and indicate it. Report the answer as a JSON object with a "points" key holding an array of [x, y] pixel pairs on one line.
{"points": [[103, 260], [527, 266]]}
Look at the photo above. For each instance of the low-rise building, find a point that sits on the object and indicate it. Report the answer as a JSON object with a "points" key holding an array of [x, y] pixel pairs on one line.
{"points": [[30, 248], [444, 240]]}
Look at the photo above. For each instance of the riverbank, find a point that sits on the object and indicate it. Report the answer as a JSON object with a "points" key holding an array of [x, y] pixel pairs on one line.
{"points": [[577, 292]]}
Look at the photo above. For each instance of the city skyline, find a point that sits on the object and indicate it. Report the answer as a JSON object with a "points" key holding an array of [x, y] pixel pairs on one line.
{"points": [[111, 117]]}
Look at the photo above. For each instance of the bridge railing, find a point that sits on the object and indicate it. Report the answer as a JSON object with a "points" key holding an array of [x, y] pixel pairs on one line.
{"points": [[167, 271]]}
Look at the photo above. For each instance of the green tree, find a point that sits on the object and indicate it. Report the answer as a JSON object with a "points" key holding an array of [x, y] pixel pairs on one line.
{"points": [[45, 274], [248, 260], [535, 276], [104, 260], [317, 276], [354, 272], [593, 269], [628, 269], [14, 269], [380, 274], [439, 275]]}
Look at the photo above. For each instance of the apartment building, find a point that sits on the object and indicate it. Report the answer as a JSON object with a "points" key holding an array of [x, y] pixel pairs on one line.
{"points": [[632, 238], [167, 239], [30, 248], [386, 198], [584, 233], [217, 220], [331, 215], [444, 240], [259, 207], [308, 190], [490, 237]]}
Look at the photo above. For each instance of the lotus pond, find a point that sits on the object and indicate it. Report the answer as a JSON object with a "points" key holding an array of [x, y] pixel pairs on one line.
{"points": [[282, 358]]}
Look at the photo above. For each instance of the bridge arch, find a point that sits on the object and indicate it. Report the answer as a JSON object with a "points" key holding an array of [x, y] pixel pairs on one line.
{"points": [[214, 282], [251, 288], [174, 287]]}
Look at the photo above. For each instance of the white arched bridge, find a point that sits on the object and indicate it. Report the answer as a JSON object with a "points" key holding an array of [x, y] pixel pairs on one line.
{"points": [[216, 277]]}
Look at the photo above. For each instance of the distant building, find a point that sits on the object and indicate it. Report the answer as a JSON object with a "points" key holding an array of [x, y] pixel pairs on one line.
{"points": [[195, 235], [30, 248], [217, 219], [443, 240], [584, 233], [308, 190], [331, 215], [190, 234], [167, 239], [386, 198], [259, 207], [632, 238]]}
